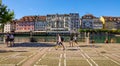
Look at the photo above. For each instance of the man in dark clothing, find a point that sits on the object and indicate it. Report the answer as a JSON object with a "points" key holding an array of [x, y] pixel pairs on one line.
{"points": [[71, 41], [7, 38], [11, 39]]}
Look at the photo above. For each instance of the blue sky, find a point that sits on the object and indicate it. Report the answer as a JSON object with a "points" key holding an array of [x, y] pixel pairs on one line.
{"points": [[44, 7]]}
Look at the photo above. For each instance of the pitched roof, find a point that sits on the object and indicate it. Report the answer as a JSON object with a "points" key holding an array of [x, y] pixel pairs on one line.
{"points": [[32, 18], [42, 18], [88, 16], [111, 19]]}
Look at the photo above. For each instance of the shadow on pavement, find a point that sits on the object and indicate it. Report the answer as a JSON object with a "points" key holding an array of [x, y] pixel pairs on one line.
{"points": [[73, 49], [4, 51], [34, 45], [90, 46]]}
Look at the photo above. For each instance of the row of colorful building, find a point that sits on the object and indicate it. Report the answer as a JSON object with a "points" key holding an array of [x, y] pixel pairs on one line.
{"points": [[62, 22]]}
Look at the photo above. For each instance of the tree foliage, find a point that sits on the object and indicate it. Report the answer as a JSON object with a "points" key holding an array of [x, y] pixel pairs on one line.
{"points": [[5, 15], [99, 30]]}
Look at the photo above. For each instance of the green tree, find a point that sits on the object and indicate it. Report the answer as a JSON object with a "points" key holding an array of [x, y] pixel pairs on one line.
{"points": [[5, 15]]}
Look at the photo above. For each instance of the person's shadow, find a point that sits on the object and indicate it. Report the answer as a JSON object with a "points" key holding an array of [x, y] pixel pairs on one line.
{"points": [[30, 44]]}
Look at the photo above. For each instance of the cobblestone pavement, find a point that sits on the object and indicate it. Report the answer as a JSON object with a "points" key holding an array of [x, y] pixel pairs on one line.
{"points": [[45, 54]]}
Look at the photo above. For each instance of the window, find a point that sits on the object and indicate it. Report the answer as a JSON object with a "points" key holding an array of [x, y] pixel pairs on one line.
{"points": [[114, 19]]}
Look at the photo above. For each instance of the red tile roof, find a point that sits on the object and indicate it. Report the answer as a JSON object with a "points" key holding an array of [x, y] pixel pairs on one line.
{"points": [[42, 18], [32, 18], [111, 19], [88, 16]]}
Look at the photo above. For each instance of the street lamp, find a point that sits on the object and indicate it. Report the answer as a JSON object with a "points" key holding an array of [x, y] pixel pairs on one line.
{"points": [[46, 33], [106, 40], [31, 36], [31, 32]]}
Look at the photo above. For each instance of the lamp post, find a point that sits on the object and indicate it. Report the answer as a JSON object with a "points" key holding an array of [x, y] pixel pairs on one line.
{"points": [[106, 40], [31, 37], [88, 38], [31, 32], [46, 33], [107, 35]]}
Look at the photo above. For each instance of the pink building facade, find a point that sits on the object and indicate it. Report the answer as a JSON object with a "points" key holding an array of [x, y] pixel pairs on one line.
{"points": [[27, 23]]}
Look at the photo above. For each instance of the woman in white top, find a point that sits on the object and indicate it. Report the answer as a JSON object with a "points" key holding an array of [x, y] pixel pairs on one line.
{"points": [[75, 39], [60, 42]]}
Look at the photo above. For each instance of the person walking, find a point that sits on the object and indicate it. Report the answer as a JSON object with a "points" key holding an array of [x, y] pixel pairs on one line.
{"points": [[7, 38], [71, 41], [75, 40], [11, 39], [60, 42]]}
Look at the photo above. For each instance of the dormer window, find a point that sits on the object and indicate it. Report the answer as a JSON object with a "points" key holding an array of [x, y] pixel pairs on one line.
{"points": [[89, 17], [110, 19], [114, 19], [118, 19]]}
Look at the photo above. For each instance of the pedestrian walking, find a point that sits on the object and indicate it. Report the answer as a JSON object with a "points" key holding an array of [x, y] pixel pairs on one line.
{"points": [[71, 41], [7, 38], [75, 40], [60, 42], [11, 39]]}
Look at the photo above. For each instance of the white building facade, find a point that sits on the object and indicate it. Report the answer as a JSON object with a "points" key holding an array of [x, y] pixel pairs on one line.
{"points": [[58, 22], [89, 21], [63, 22], [74, 23], [7, 27], [97, 24], [40, 26]]}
